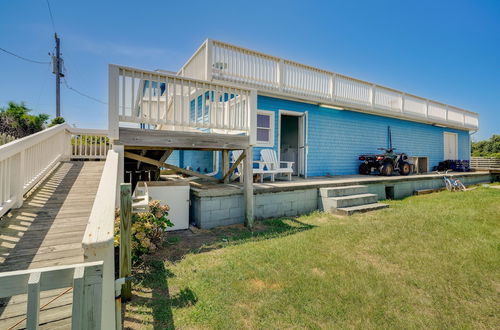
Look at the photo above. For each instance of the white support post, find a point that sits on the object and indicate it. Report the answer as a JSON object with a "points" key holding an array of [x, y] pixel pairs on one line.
{"points": [[426, 108], [209, 59], [402, 102], [252, 117], [104, 252], [248, 187], [120, 149], [33, 311], [67, 148], [113, 102]]}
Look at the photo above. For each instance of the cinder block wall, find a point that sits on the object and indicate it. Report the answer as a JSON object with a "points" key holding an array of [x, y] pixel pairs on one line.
{"points": [[214, 211]]}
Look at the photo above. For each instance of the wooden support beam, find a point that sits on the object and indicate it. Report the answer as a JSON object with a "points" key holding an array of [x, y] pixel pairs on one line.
{"points": [[182, 140], [126, 238], [236, 163], [146, 148], [171, 167], [225, 165], [165, 156], [248, 187]]}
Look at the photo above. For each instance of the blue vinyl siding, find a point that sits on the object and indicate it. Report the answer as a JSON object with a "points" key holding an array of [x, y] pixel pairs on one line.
{"points": [[337, 137], [198, 160]]}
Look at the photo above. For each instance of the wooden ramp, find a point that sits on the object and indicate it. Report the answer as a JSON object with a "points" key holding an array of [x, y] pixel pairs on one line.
{"points": [[48, 231]]}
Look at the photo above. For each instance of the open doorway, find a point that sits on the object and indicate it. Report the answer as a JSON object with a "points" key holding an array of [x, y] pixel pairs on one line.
{"points": [[292, 140]]}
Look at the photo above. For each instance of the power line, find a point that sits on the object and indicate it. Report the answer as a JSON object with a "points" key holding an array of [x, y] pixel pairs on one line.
{"points": [[82, 94], [23, 58], [51, 17]]}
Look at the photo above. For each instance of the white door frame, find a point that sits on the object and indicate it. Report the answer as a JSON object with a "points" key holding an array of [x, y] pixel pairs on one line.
{"points": [[303, 132], [455, 136]]}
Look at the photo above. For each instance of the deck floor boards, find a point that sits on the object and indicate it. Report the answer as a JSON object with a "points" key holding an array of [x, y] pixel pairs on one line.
{"points": [[47, 231]]}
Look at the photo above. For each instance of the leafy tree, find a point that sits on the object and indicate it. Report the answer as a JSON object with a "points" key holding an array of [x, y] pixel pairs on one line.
{"points": [[487, 148], [57, 121], [15, 120]]}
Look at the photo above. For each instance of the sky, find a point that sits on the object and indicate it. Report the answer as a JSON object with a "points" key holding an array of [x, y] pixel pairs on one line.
{"points": [[446, 50]]}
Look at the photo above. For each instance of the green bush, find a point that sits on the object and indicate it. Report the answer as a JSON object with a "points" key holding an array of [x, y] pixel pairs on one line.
{"points": [[487, 148], [148, 229]]}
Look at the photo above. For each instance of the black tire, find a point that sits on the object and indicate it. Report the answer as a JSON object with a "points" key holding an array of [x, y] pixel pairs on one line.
{"points": [[387, 169], [405, 168], [364, 169]]}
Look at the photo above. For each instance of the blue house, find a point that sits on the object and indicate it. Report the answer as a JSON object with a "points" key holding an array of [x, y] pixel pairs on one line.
{"points": [[321, 120]]}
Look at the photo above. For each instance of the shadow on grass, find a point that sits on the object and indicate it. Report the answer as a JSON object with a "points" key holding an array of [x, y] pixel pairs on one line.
{"points": [[178, 244], [152, 303], [152, 296]]}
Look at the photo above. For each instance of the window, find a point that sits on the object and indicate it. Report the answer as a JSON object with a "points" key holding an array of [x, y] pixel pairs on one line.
{"points": [[265, 128]]}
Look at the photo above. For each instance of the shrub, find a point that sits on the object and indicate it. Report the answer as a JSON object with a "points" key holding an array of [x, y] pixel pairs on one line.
{"points": [[148, 229]]}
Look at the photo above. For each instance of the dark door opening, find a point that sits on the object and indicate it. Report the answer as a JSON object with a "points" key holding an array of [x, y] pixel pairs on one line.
{"points": [[289, 140]]}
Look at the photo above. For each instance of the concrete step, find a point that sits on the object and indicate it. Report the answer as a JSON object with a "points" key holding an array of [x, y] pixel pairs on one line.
{"points": [[343, 191], [360, 208], [352, 200]]}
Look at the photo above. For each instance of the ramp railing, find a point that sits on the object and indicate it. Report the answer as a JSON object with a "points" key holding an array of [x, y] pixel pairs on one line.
{"points": [[98, 240], [24, 162], [85, 280]]}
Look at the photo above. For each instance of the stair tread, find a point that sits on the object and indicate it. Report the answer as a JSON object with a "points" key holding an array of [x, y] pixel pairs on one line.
{"points": [[361, 208], [344, 187], [353, 196]]}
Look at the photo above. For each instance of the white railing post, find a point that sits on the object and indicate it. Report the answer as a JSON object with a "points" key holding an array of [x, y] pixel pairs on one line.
{"points": [[67, 148], [18, 193], [252, 117], [120, 150], [209, 59], [372, 95], [331, 86], [113, 102], [281, 74]]}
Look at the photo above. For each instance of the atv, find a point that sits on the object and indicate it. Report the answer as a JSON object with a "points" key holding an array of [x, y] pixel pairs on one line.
{"points": [[386, 164]]}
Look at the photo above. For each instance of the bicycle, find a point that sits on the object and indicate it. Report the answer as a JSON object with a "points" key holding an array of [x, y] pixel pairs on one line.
{"points": [[451, 183]]}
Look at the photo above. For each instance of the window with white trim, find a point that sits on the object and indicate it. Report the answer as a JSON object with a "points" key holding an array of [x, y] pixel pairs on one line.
{"points": [[265, 128]]}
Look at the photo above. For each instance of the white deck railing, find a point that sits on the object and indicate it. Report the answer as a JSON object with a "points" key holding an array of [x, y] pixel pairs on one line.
{"points": [[224, 62], [170, 102], [89, 143], [24, 162]]}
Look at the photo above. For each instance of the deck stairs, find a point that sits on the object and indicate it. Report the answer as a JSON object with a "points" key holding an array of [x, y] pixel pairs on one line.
{"points": [[347, 200]]}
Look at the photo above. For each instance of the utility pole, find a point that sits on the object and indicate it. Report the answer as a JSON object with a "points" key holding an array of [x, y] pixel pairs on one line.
{"points": [[57, 70]]}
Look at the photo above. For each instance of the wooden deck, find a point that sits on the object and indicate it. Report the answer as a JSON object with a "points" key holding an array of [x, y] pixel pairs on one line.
{"points": [[210, 189], [48, 231]]}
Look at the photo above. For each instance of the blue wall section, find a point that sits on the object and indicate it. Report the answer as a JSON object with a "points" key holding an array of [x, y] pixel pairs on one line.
{"points": [[202, 160], [337, 137]]}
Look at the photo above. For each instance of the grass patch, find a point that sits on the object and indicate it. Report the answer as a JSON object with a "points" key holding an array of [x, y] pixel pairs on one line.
{"points": [[427, 261]]}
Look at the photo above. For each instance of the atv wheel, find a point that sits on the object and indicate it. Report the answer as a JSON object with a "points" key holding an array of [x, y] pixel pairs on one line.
{"points": [[387, 169], [364, 169], [405, 168]]}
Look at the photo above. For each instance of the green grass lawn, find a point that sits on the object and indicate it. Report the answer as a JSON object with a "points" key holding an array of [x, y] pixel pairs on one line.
{"points": [[430, 261]]}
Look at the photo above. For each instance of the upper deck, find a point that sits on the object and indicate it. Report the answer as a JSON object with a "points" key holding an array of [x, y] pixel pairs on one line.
{"points": [[274, 76]]}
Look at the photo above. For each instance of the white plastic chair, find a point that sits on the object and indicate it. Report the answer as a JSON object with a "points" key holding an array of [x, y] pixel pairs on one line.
{"points": [[270, 160]]}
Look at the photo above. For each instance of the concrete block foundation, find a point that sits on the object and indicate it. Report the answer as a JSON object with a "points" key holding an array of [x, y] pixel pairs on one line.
{"points": [[224, 206]]}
